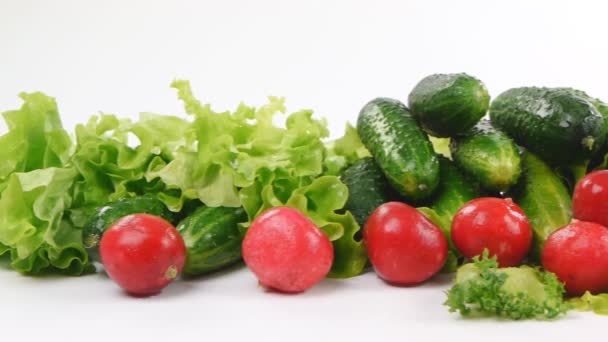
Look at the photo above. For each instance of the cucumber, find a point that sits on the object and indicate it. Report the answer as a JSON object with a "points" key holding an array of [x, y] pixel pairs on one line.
{"points": [[600, 105], [544, 198], [599, 160], [400, 147], [212, 238], [489, 156], [449, 104], [367, 188], [453, 192], [555, 124], [106, 215]]}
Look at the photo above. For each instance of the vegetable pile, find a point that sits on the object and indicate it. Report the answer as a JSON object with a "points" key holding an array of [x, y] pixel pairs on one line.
{"points": [[509, 193]]}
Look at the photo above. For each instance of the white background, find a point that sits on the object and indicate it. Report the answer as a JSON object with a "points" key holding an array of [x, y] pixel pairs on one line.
{"points": [[330, 56]]}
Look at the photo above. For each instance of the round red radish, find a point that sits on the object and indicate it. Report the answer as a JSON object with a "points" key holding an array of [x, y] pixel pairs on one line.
{"points": [[404, 246], [578, 255], [590, 199], [142, 253], [493, 223], [286, 251]]}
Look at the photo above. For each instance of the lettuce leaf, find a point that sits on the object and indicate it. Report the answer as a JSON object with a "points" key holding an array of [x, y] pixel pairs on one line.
{"points": [[483, 289], [36, 138], [589, 302], [441, 146], [344, 151], [35, 191], [33, 227]]}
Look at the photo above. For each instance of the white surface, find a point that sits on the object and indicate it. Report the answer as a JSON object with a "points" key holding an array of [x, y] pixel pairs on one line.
{"points": [[331, 56]]}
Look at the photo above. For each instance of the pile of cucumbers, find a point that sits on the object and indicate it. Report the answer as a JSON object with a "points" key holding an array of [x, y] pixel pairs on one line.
{"points": [[533, 147]]}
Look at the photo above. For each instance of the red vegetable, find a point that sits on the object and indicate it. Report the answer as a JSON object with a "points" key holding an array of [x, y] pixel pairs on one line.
{"points": [[286, 251], [493, 223], [578, 255], [142, 253], [590, 200], [404, 246]]}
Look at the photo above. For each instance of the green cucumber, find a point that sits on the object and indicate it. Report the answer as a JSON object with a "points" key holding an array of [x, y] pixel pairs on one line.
{"points": [[489, 156], [449, 104], [557, 125], [212, 238], [367, 188], [599, 160], [106, 215], [453, 192], [544, 198], [400, 147]]}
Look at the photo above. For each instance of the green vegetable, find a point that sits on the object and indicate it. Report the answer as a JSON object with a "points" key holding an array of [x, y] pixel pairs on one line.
{"points": [[453, 192], [588, 302], [488, 156], [545, 200], [343, 152], [367, 188], [110, 169], [483, 289], [34, 227], [441, 146], [212, 238], [109, 213], [35, 191], [449, 104], [36, 138], [555, 124], [600, 161], [400, 147]]}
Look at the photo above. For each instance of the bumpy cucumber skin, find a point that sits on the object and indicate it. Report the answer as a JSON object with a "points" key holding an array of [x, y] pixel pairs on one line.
{"points": [[449, 104], [212, 238], [488, 156], [602, 108], [454, 190], [400, 147], [555, 124], [544, 198], [368, 188], [104, 216]]}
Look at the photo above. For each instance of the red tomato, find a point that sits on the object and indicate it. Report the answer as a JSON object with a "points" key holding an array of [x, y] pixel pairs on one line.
{"points": [[590, 200], [493, 223], [142, 253], [578, 255], [286, 251], [404, 246]]}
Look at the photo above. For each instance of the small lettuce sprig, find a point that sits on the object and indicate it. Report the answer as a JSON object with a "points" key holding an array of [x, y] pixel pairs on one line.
{"points": [[483, 289]]}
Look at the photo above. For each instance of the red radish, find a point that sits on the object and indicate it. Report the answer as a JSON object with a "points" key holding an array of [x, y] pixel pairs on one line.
{"points": [[142, 253], [286, 251], [578, 255], [404, 246], [493, 223], [590, 199]]}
